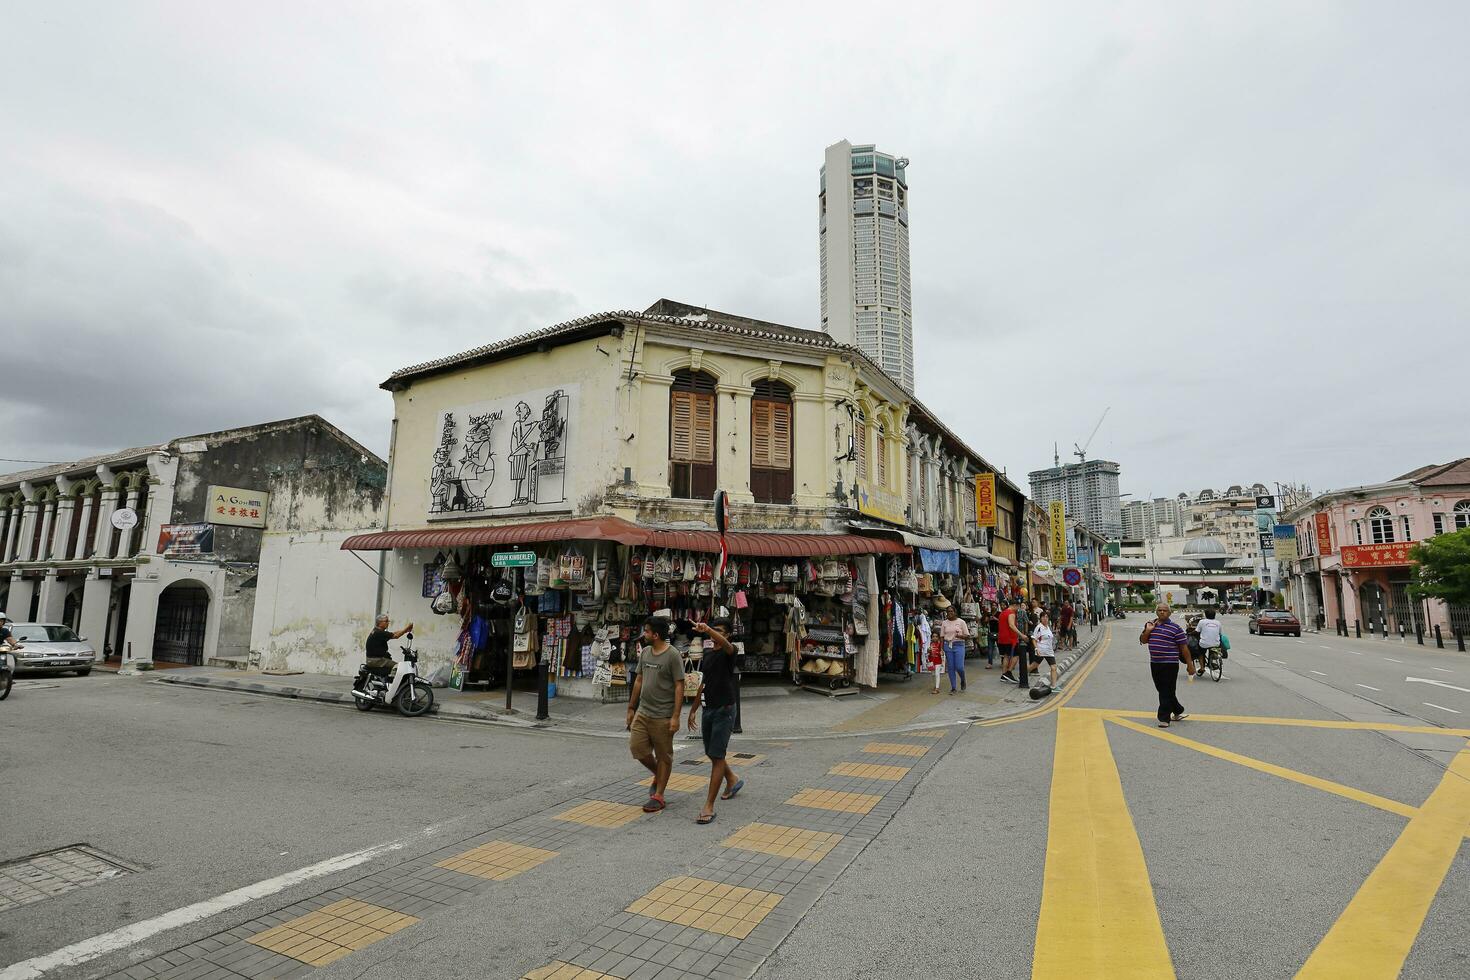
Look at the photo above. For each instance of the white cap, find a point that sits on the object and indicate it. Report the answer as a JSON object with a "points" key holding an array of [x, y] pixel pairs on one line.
{"points": [[3, 617]]}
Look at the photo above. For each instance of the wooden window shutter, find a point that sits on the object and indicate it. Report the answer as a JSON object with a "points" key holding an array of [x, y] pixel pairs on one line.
{"points": [[780, 435], [703, 448], [762, 442], [882, 459], [860, 436], [681, 426]]}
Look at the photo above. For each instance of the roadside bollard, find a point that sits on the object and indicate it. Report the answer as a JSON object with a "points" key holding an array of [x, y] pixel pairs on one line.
{"points": [[1438, 637], [1459, 639], [1419, 632], [1358, 626]]}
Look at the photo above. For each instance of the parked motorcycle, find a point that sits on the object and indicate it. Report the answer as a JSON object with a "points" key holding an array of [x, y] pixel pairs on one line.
{"points": [[7, 671], [405, 690]]}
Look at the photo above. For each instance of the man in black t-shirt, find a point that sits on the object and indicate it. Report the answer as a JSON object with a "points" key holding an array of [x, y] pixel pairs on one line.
{"points": [[379, 661], [717, 686]]}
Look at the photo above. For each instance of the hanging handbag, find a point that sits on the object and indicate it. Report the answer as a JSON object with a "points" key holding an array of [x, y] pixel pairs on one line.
{"points": [[691, 569]]}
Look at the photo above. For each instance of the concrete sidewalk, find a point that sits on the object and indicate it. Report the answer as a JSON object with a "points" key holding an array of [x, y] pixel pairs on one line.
{"points": [[770, 708]]}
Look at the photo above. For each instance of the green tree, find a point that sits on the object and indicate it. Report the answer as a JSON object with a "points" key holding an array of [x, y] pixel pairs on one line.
{"points": [[1443, 567]]}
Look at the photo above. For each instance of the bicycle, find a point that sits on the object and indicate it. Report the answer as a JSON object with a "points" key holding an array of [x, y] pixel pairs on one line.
{"points": [[1213, 663]]}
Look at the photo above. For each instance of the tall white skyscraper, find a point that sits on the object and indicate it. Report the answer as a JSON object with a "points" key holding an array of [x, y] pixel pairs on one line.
{"points": [[863, 217]]}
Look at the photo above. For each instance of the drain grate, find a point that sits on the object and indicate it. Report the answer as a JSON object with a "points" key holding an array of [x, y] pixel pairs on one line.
{"points": [[42, 876]]}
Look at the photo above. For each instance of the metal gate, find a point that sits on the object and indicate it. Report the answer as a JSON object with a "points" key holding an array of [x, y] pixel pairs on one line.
{"points": [[1373, 606], [183, 611], [1406, 612]]}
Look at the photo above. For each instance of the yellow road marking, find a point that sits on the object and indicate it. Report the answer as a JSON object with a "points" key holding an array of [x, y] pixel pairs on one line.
{"points": [[1360, 726], [1374, 934], [1326, 785], [1056, 701], [1098, 914]]}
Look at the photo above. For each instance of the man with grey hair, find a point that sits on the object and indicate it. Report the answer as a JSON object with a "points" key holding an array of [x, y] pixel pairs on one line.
{"points": [[379, 661]]}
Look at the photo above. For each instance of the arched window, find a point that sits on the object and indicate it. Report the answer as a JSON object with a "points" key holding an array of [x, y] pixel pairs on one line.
{"points": [[692, 436], [1380, 523], [771, 443], [1462, 515]]}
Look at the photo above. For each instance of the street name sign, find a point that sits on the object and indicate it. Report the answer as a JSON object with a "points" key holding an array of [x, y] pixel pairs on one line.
{"points": [[513, 559]]}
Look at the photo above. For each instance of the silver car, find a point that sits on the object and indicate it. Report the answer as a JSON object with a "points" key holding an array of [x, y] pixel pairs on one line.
{"points": [[51, 646]]}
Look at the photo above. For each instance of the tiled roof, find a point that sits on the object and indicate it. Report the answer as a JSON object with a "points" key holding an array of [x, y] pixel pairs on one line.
{"points": [[1452, 473]]}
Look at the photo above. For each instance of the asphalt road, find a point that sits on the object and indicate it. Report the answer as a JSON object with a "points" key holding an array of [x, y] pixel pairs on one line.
{"points": [[1247, 858]]}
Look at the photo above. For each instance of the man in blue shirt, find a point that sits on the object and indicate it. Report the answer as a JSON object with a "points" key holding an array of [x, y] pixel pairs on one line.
{"points": [[1167, 646]]}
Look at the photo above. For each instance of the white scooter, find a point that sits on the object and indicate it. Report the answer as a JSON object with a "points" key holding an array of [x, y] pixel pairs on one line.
{"points": [[405, 690], [7, 671]]}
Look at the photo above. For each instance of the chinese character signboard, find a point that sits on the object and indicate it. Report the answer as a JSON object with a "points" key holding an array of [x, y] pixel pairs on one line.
{"points": [[1324, 533], [181, 540], [237, 506], [1058, 533], [985, 500], [1376, 555], [1267, 542], [1284, 543], [508, 455]]}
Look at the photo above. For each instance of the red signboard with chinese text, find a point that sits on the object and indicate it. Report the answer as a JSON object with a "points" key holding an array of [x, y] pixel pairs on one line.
{"points": [[1376, 555], [1324, 534]]}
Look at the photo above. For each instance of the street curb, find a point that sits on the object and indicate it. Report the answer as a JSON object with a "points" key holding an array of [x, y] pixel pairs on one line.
{"points": [[473, 718]]}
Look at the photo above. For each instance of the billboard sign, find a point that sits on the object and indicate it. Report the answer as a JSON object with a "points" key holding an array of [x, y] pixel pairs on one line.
{"points": [[237, 506], [1324, 533], [1058, 533], [985, 500], [182, 540], [1376, 555], [1284, 543]]}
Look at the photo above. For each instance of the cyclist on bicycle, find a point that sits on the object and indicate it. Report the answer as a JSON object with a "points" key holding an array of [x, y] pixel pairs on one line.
{"points": [[1209, 632]]}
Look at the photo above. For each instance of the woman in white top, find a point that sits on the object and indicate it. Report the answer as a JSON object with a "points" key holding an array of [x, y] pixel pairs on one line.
{"points": [[1046, 646]]}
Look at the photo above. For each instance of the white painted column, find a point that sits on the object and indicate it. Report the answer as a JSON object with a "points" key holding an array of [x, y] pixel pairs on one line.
{"points": [[732, 447], [48, 517], [142, 622], [18, 604], [102, 543], [12, 535], [53, 598], [811, 451], [92, 624], [80, 551], [125, 542], [27, 532], [651, 439], [61, 530]]}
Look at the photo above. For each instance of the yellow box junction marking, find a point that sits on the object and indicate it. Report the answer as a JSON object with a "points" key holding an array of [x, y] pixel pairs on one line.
{"points": [[600, 813], [787, 842], [331, 932], [680, 782], [827, 799], [1098, 914], [1373, 936], [869, 770], [722, 909], [1326, 785], [497, 860], [895, 748], [558, 970]]}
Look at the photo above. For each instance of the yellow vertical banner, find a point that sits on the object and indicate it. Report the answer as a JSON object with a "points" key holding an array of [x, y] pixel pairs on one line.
{"points": [[1058, 534], [985, 500]]}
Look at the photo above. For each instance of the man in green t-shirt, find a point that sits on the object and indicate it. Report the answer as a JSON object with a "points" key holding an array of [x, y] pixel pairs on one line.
{"points": [[653, 707]]}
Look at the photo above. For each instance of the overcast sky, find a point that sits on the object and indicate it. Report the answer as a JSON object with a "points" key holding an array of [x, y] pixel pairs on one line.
{"points": [[1244, 227]]}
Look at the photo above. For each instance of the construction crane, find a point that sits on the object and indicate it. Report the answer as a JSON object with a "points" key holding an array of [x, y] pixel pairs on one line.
{"points": [[1081, 451]]}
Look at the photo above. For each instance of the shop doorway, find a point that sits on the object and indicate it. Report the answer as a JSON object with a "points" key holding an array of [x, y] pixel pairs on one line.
{"points": [[71, 608], [1406, 612], [183, 613], [1374, 606]]}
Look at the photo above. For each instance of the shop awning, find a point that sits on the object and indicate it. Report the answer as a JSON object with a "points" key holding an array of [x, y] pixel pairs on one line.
{"points": [[978, 555], [1001, 560], [909, 538], [744, 544]]}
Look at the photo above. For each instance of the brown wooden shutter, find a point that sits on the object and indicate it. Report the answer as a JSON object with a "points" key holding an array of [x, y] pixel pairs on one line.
{"points": [[882, 459], [681, 426], [761, 442], [860, 436], [780, 435], [703, 448]]}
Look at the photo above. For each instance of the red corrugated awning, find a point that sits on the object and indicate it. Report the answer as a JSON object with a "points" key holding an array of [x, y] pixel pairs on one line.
{"points": [[745, 544]]}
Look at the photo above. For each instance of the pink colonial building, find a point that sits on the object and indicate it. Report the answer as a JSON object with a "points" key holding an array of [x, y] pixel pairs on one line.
{"points": [[1353, 544]]}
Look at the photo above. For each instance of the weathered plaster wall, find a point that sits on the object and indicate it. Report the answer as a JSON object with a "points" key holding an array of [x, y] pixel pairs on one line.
{"points": [[315, 603]]}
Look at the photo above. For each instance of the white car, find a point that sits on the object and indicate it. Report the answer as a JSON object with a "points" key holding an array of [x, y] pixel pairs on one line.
{"points": [[51, 646]]}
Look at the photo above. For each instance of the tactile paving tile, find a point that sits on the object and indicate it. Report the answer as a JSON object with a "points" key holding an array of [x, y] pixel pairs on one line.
{"points": [[681, 782], [497, 860], [600, 813], [331, 932], [737, 759], [557, 970], [787, 842], [895, 748], [931, 733], [829, 799], [869, 770], [708, 905]]}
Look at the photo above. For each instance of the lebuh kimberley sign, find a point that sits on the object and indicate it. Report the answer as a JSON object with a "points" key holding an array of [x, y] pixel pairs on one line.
{"points": [[513, 559]]}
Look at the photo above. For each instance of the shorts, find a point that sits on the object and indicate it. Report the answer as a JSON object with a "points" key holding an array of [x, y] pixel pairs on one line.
{"points": [[650, 736], [1043, 658], [715, 726]]}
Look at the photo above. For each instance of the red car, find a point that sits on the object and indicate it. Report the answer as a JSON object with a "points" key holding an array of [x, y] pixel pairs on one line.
{"points": [[1274, 621]]}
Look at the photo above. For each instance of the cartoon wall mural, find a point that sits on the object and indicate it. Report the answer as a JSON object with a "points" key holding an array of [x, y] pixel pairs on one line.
{"points": [[482, 465]]}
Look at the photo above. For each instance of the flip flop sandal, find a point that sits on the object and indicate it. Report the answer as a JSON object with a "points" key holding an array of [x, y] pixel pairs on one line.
{"points": [[739, 785], [705, 818], [653, 805]]}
